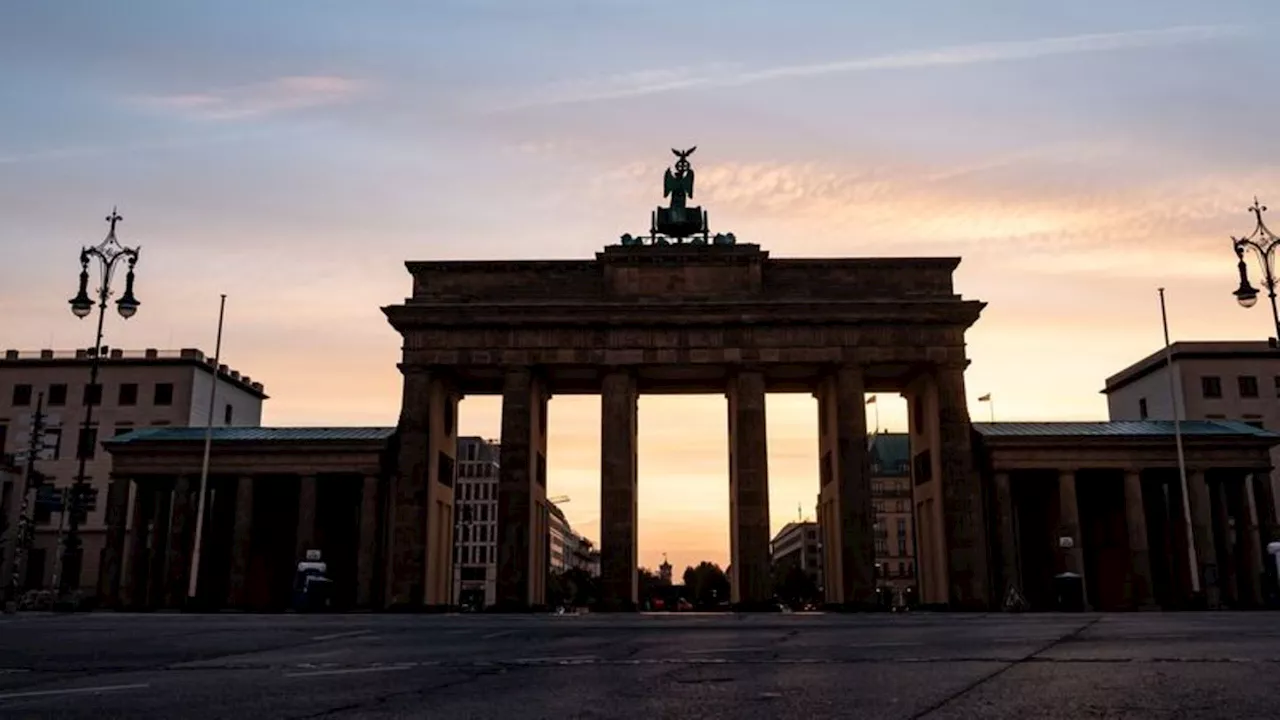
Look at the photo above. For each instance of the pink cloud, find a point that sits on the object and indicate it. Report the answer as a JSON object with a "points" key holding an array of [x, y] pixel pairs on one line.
{"points": [[262, 98]]}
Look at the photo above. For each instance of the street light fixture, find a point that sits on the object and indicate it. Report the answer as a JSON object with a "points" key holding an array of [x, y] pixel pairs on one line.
{"points": [[108, 253], [1263, 243]]}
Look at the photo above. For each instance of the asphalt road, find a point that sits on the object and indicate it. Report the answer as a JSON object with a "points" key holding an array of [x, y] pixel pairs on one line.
{"points": [[640, 666]]}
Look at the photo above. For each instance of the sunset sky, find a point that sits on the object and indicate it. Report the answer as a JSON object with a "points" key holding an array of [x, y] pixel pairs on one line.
{"points": [[294, 154]]}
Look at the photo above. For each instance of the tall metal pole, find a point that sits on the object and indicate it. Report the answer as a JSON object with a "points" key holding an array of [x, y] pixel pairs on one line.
{"points": [[71, 551], [108, 252], [194, 575], [1182, 461]]}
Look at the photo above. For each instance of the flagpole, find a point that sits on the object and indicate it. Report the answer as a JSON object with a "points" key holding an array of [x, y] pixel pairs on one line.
{"points": [[1182, 461], [194, 575], [991, 402]]}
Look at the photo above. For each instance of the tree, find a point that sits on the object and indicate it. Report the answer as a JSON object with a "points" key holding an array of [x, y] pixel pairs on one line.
{"points": [[793, 585], [648, 583], [706, 584]]}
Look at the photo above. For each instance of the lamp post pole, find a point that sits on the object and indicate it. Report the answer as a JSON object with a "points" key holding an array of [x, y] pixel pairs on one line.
{"points": [[1263, 243], [108, 253]]}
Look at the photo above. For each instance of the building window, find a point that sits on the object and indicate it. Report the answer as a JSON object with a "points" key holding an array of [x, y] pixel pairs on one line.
{"points": [[123, 428], [1142, 408], [21, 395], [1248, 386], [226, 414], [1211, 386], [88, 443], [164, 394], [128, 394], [57, 395], [53, 442], [1277, 379], [93, 394]]}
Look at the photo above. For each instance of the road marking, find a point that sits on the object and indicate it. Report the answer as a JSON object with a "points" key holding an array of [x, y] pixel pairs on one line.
{"points": [[571, 659], [13, 671], [352, 671], [714, 651], [500, 633], [335, 636], [72, 691]]}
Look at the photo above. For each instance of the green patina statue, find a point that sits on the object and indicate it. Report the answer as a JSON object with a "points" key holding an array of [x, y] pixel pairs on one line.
{"points": [[673, 224]]}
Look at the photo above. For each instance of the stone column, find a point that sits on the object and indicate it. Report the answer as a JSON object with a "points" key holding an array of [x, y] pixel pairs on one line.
{"points": [[181, 539], [133, 586], [113, 557], [308, 497], [367, 554], [1011, 569], [158, 545], [1253, 549], [1202, 530], [964, 522], [407, 516], [1069, 527], [522, 493], [1222, 539], [241, 543], [618, 491], [1135, 515], [846, 498], [751, 584]]}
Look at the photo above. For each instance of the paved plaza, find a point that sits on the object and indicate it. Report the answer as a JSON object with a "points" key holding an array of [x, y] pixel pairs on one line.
{"points": [[1211, 665]]}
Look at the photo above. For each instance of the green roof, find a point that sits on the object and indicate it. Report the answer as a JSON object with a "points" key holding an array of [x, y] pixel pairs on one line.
{"points": [[890, 453], [253, 434], [1122, 428]]}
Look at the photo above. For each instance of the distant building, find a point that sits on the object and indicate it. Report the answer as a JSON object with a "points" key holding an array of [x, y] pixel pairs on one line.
{"points": [[475, 552], [890, 460], [797, 544], [664, 571], [136, 389], [1215, 380]]}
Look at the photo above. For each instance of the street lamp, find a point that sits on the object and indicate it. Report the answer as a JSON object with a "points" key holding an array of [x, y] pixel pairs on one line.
{"points": [[1263, 243], [108, 254]]}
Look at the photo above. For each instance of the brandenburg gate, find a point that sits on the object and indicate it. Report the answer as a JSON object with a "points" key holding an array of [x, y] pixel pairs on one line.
{"points": [[680, 310]]}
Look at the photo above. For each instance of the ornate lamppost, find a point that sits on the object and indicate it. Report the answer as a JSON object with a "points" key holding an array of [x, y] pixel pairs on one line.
{"points": [[1263, 243], [109, 253]]}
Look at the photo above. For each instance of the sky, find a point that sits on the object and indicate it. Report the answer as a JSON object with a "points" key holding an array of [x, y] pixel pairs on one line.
{"points": [[294, 154]]}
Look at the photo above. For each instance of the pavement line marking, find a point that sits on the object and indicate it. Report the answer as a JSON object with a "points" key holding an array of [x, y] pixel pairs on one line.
{"points": [[714, 651], [335, 636], [574, 658], [72, 691], [500, 633], [352, 671]]}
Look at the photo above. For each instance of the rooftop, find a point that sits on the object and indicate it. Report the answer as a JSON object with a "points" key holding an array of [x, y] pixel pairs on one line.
{"points": [[1212, 350], [253, 434], [119, 356], [1124, 428], [891, 452]]}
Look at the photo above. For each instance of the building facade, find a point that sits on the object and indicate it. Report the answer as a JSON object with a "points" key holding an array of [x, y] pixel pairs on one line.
{"points": [[1104, 502], [798, 544], [476, 537], [136, 389], [1237, 381], [890, 458]]}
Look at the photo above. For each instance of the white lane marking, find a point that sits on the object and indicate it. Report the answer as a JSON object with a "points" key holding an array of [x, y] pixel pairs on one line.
{"points": [[714, 651], [352, 671], [884, 645], [500, 633], [13, 671], [72, 691], [335, 636], [570, 659]]}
